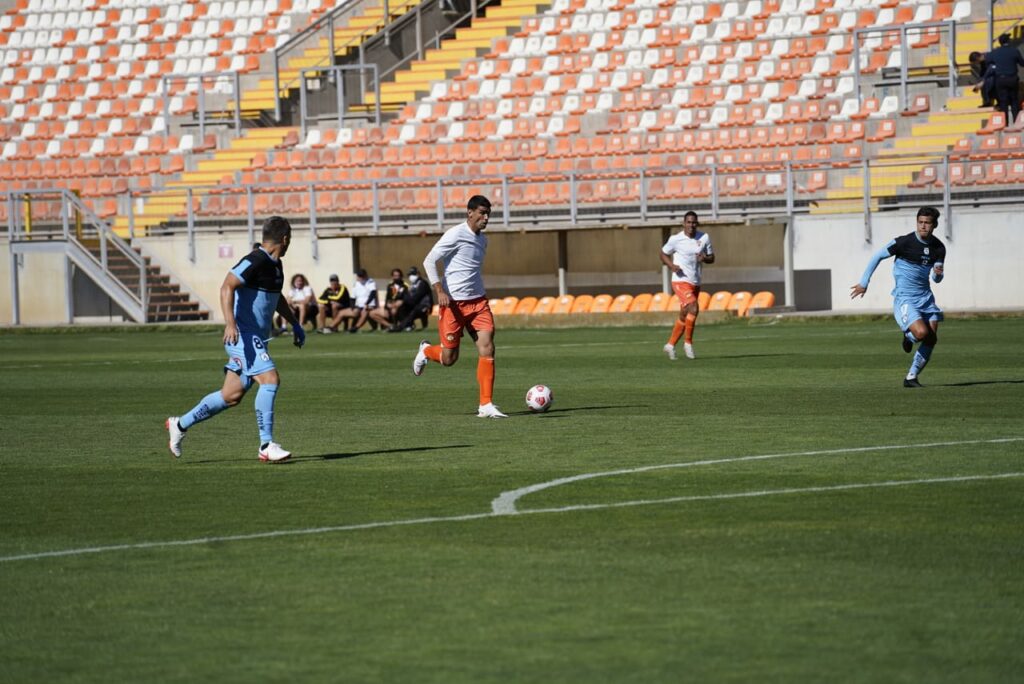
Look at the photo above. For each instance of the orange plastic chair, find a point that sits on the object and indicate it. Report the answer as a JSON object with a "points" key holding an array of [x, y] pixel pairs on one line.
{"points": [[703, 299], [739, 303], [761, 300], [545, 305], [673, 303], [659, 301], [582, 304], [563, 304], [509, 304], [621, 303], [525, 306], [497, 306], [719, 301], [601, 303], [641, 303]]}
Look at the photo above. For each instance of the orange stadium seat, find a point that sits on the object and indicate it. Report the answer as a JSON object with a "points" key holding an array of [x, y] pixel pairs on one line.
{"points": [[563, 304], [497, 306], [601, 303], [660, 301], [703, 300], [545, 305], [739, 302], [641, 303], [621, 303], [761, 300], [673, 303], [719, 301], [526, 306], [509, 304], [582, 304]]}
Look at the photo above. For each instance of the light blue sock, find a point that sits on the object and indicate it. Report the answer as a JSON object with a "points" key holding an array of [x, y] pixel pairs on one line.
{"points": [[265, 396], [921, 357], [910, 336], [209, 406]]}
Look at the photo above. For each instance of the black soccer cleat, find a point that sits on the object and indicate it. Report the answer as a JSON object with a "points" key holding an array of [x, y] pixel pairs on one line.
{"points": [[912, 382], [908, 346]]}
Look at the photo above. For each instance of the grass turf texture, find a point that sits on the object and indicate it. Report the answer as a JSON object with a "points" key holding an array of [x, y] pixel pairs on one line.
{"points": [[907, 583]]}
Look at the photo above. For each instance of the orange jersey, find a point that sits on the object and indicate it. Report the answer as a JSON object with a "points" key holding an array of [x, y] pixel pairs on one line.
{"points": [[473, 313]]}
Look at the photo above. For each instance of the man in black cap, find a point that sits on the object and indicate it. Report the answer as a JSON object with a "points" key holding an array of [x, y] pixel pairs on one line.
{"points": [[419, 301], [1005, 59], [336, 304]]}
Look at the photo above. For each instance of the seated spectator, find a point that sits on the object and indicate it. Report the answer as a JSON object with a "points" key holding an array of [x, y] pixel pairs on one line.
{"points": [[387, 315], [302, 301], [364, 294], [983, 78], [336, 306], [419, 302]]}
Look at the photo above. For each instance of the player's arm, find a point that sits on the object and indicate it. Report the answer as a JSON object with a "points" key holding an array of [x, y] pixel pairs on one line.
{"points": [[227, 306], [938, 272], [435, 258], [667, 260], [860, 288], [706, 256], [284, 309]]}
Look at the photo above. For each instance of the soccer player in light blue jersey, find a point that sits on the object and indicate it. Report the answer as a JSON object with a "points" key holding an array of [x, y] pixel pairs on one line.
{"points": [[249, 297], [919, 255]]}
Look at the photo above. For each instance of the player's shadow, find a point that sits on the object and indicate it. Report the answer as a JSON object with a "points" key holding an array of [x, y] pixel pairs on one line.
{"points": [[982, 382], [375, 452], [564, 412], [744, 356]]}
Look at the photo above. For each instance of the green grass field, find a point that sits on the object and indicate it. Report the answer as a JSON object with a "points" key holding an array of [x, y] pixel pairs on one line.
{"points": [[779, 510]]}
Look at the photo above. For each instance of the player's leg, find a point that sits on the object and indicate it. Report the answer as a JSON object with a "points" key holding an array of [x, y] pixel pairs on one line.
{"points": [[266, 395], [449, 328], [480, 325], [690, 320], [228, 395]]}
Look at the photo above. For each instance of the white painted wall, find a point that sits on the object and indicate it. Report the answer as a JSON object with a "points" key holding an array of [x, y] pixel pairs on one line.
{"points": [[984, 258], [216, 254], [42, 281]]}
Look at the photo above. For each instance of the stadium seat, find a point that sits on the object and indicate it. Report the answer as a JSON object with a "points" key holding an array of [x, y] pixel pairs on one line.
{"points": [[761, 300], [497, 306], [719, 301], [621, 303], [545, 305], [601, 303], [526, 306], [641, 303], [582, 304], [739, 302], [659, 301], [562, 305], [509, 304], [703, 299]]}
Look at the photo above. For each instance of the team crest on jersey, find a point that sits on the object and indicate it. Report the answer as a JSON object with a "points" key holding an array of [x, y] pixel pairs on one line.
{"points": [[264, 357], [926, 250], [450, 337]]}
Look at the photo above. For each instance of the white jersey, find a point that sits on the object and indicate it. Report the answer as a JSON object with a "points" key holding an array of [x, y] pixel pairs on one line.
{"points": [[684, 251], [463, 253], [363, 292]]}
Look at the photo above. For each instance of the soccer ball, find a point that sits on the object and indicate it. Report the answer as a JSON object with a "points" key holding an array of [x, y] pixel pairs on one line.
{"points": [[539, 398]]}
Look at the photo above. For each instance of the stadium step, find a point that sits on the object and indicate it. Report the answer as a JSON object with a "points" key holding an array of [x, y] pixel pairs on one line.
{"points": [[158, 208], [442, 63]]}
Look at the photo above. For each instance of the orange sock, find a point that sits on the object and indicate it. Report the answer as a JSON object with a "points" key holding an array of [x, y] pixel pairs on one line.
{"points": [[433, 352], [485, 378], [677, 332], [691, 321]]}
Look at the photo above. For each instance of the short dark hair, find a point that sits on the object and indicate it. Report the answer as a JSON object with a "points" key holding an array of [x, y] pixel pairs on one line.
{"points": [[1004, 39], [930, 212], [689, 214], [974, 57], [276, 228], [361, 273], [478, 201]]}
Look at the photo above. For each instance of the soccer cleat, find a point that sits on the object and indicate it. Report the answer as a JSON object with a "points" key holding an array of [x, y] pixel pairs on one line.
{"points": [[908, 346], [688, 350], [274, 453], [420, 362], [912, 382], [489, 411], [671, 351], [176, 436]]}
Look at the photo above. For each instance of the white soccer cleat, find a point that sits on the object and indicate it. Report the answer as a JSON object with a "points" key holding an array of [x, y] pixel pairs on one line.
{"points": [[420, 362], [176, 435], [489, 411], [274, 453], [671, 351], [688, 350]]}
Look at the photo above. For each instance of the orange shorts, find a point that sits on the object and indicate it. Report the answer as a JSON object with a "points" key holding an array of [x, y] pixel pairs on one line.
{"points": [[474, 314], [686, 292]]}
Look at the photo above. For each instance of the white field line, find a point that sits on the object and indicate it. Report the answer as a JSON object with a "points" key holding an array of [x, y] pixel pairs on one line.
{"points": [[80, 551], [505, 503]]}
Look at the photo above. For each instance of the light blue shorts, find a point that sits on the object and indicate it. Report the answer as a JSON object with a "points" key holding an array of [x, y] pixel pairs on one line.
{"points": [[248, 356], [906, 310]]}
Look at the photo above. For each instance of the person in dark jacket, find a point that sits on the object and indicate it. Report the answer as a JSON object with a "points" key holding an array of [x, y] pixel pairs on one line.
{"points": [[419, 301], [1005, 59]]}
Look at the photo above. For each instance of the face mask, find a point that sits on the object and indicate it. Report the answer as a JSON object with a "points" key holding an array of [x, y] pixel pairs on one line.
{"points": [[413, 279]]}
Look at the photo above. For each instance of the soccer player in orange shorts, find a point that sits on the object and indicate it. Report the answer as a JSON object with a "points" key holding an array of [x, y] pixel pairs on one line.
{"points": [[685, 253], [462, 300]]}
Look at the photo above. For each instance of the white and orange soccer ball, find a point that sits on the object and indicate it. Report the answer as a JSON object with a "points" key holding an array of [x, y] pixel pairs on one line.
{"points": [[539, 398]]}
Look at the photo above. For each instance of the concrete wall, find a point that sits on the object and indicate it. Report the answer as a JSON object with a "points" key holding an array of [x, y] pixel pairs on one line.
{"points": [[984, 266], [43, 286], [216, 254]]}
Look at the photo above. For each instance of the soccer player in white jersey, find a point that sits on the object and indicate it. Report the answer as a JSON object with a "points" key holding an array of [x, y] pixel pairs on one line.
{"points": [[462, 300], [685, 253]]}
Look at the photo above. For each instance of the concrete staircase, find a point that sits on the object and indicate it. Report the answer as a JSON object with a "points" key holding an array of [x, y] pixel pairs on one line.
{"points": [[171, 201], [441, 63]]}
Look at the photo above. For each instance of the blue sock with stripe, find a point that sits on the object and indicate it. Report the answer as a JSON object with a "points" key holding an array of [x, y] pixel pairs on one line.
{"points": [[209, 406], [265, 396], [921, 357]]}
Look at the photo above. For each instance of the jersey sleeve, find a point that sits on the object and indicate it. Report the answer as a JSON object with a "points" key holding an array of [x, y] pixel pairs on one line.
{"points": [[707, 245], [442, 249], [876, 259], [668, 248], [244, 269]]}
